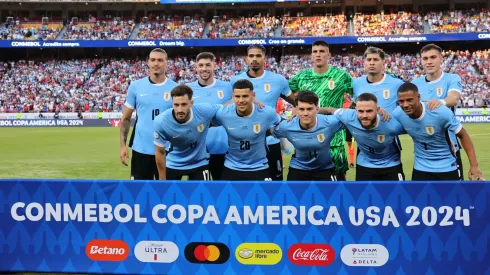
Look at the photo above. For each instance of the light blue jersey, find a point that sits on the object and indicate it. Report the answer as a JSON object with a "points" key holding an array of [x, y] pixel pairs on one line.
{"points": [[439, 89], [246, 136], [149, 100], [430, 134], [188, 148], [377, 146], [217, 93], [268, 88], [384, 90], [312, 147]]}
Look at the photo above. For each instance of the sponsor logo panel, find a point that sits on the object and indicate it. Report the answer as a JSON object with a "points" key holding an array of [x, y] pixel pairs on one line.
{"points": [[156, 252], [258, 253], [311, 254], [364, 255], [207, 253], [107, 250]]}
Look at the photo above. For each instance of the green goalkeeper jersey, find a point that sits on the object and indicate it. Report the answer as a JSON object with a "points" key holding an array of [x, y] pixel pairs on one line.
{"points": [[330, 88]]}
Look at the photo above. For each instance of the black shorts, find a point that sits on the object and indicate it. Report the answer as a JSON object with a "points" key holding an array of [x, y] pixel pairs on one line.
{"points": [[198, 173], [216, 164], [274, 156], [308, 175], [459, 162], [229, 174], [348, 136], [394, 173], [143, 167], [429, 176]]}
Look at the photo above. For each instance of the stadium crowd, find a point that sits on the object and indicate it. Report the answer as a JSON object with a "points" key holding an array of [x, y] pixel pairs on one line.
{"points": [[99, 30], [314, 26], [101, 84], [251, 27], [459, 21], [388, 24], [171, 29]]}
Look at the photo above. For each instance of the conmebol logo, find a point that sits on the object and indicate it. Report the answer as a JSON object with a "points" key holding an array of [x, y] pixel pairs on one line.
{"points": [[107, 250], [311, 254]]}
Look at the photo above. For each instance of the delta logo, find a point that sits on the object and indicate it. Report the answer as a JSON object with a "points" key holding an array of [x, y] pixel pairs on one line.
{"points": [[311, 254], [364, 255], [156, 252], [207, 253], [107, 250], [258, 253]]}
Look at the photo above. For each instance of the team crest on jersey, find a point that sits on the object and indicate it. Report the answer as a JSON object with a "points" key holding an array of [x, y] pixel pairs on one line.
{"points": [[386, 94], [429, 129], [257, 128], [320, 138], [166, 96], [200, 128], [331, 84], [439, 91], [221, 94], [267, 87], [381, 138]]}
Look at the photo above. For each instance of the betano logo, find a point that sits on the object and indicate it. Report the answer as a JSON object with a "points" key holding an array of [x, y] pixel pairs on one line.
{"points": [[207, 253], [107, 250], [258, 253]]}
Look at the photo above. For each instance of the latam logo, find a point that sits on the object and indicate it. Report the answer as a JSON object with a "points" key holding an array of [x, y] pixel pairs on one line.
{"points": [[364, 255], [311, 254], [156, 252], [207, 253], [107, 250]]}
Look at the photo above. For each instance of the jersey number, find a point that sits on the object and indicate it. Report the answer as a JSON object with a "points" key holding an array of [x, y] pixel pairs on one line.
{"points": [[313, 154], [425, 145], [371, 150], [244, 145], [193, 145], [154, 113]]}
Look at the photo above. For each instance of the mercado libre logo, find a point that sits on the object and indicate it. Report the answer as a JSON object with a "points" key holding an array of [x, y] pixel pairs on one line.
{"points": [[207, 253], [258, 253], [107, 250]]}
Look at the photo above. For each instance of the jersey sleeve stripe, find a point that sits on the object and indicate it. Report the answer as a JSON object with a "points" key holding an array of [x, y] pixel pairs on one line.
{"points": [[459, 129], [129, 105], [289, 93], [159, 144]]}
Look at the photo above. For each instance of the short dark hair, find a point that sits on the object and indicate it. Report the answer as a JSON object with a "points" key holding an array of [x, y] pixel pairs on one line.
{"points": [[181, 90], [406, 87], [243, 84], [374, 50], [429, 47], [367, 97], [206, 55], [320, 43], [307, 97], [159, 50], [256, 46]]}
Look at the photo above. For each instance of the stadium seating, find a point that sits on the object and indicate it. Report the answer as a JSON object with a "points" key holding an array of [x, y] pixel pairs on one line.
{"points": [[388, 24], [459, 21], [314, 26], [31, 31], [99, 30], [251, 27], [171, 29]]}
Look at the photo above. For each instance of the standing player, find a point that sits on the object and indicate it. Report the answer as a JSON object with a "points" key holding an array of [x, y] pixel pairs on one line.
{"points": [[310, 135], [208, 89], [149, 97], [439, 87], [330, 84], [429, 129], [184, 127], [268, 88], [246, 126], [379, 155], [377, 81]]}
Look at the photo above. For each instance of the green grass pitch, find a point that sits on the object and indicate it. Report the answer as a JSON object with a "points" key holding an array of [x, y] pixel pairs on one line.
{"points": [[93, 153]]}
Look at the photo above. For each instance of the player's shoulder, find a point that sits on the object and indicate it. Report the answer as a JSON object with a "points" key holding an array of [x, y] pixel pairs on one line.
{"points": [[164, 117], [419, 80], [220, 82], [170, 82], [141, 81], [304, 73], [398, 112], [393, 78], [347, 114], [451, 76], [338, 70], [242, 75], [265, 109], [360, 80], [273, 75], [193, 84]]}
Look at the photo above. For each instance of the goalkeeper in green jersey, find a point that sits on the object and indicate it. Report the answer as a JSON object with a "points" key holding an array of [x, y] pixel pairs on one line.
{"points": [[330, 84]]}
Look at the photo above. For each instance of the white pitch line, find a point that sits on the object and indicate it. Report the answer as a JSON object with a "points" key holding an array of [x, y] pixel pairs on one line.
{"points": [[471, 135]]}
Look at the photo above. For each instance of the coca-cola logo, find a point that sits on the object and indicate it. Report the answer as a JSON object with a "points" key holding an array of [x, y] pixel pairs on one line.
{"points": [[311, 254]]}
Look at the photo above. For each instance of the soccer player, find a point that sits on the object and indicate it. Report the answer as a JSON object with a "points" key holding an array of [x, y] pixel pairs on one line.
{"points": [[439, 87], [377, 81], [434, 156], [208, 89], [379, 154], [246, 125], [268, 87], [310, 134], [330, 84], [185, 127], [149, 97]]}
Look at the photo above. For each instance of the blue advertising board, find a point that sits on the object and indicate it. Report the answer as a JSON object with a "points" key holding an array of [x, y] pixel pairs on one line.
{"points": [[179, 227], [348, 40]]}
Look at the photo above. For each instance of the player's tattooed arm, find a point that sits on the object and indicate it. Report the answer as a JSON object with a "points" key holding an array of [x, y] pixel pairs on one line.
{"points": [[291, 99], [161, 161], [474, 173], [123, 134], [327, 110]]}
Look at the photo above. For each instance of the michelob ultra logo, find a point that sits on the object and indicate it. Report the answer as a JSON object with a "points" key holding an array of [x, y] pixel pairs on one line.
{"points": [[258, 253]]}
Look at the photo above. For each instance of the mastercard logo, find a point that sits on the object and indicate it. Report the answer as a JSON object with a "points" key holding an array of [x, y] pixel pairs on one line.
{"points": [[207, 253]]}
